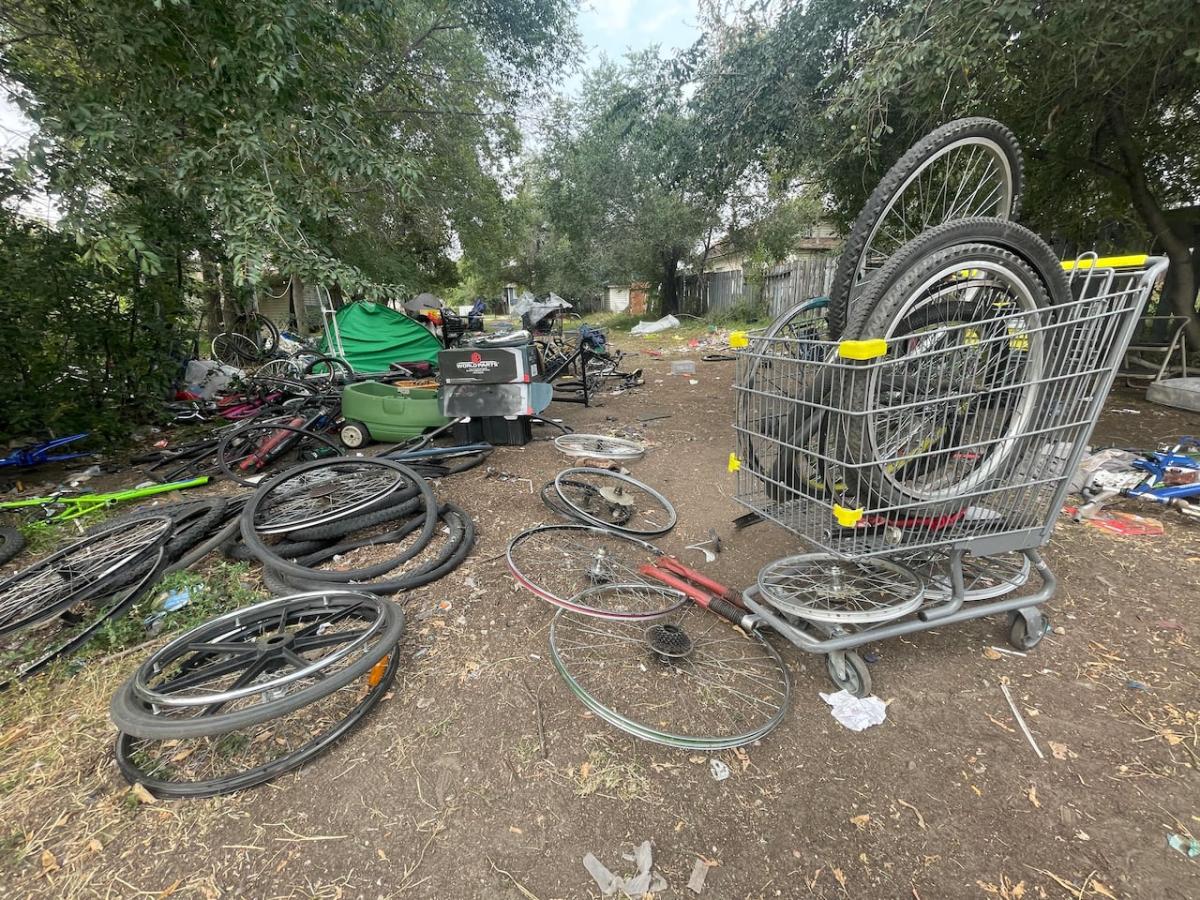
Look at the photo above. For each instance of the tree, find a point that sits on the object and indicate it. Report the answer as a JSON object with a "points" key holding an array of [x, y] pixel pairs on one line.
{"points": [[295, 130], [1102, 93], [627, 189]]}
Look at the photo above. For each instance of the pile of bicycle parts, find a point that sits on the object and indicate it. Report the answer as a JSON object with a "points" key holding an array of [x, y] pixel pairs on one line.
{"points": [[917, 428], [256, 692], [50, 609], [647, 644], [372, 523]]}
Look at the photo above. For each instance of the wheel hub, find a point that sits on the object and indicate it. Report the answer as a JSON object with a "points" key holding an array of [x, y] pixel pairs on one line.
{"points": [[668, 642]]}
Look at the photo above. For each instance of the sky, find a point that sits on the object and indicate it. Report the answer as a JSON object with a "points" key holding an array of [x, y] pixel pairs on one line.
{"points": [[613, 27]]}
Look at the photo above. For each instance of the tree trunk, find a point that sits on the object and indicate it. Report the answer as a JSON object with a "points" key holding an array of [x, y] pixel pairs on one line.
{"points": [[212, 294], [1182, 284], [296, 302], [670, 285], [229, 300]]}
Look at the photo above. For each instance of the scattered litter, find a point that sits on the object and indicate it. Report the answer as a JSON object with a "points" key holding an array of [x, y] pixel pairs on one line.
{"points": [[1012, 704], [644, 419], [856, 713], [78, 478], [1121, 523], [1185, 844], [1127, 412], [166, 604], [699, 873], [608, 883], [1136, 685], [666, 323], [1006, 651], [719, 770], [683, 367], [710, 548], [871, 657], [644, 882], [692, 381]]}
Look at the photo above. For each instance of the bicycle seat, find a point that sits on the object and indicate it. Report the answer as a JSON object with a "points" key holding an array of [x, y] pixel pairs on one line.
{"points": [[513, 339]]}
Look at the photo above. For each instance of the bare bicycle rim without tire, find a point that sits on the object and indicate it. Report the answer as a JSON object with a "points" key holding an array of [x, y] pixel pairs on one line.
{"points": [[615, 501], [686, 679], [822, 588]]}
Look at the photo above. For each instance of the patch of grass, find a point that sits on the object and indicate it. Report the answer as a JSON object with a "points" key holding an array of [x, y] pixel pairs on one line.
{"points": [[611, 774], [220, 588]]}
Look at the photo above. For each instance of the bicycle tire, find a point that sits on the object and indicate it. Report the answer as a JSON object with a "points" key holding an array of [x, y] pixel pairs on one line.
{"points": [[134, 715], [12, 542], [93, 575], [448, 558], [268, 556], [847, 276], [331, 511], [388, 509], [127, 746], [102, 616], [876, 317]]}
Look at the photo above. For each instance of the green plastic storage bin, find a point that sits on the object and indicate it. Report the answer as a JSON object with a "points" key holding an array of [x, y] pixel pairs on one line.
{"points": [[382, 412]]}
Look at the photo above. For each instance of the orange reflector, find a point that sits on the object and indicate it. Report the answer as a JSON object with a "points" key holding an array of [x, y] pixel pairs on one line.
{"points": [[376, 674]]}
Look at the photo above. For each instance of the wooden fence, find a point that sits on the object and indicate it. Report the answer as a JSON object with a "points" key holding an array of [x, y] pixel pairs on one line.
{"points": [[782, 287]]}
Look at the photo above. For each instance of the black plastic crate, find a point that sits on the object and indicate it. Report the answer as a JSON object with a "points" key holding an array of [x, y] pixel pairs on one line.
{"points": [[496, 430]]}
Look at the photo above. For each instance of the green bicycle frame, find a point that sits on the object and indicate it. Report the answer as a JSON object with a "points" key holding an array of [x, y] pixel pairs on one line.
{"points": [[84, 504]]}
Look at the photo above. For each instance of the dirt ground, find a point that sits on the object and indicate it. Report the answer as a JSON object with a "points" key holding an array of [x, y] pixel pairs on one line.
{"points": [[482, 776]]}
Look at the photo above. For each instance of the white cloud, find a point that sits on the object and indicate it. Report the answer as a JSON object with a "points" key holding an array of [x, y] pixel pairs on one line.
{"points": [[610, 15]]}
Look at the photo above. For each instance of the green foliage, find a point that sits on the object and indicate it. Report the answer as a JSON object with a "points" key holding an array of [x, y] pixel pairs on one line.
{"points": [[626, 189], [87, 347], [213, 591], [343, 141]]}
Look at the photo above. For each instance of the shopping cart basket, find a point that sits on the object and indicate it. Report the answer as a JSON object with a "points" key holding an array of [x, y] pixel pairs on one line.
{"points": [[943, 451]]}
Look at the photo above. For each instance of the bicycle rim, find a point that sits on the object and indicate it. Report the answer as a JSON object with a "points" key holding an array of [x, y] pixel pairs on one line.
{"points": [[323, 491], [76, 572], [686, 679], [822, 588], [559, 563], [615, 501]]}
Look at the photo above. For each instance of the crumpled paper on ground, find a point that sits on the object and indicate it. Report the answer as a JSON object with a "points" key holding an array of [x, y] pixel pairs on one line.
{"points": [[856, 713], [644, 882]]}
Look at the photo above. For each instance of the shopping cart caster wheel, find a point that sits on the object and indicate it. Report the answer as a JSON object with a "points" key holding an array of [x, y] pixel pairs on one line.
{"points": [[354, 434], [1026, 628], [848, 672]]}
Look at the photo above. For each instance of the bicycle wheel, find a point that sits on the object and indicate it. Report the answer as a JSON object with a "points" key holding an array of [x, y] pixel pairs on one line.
{"points": [[615, 501], [686, 679], [256, 663], [233, 349], [599, 446], [34, 649], [559, 562], [264, 333], [968, 167], [286, 367], [250, 756], [823, 588], [321, 491], [966, 355], [984, 577], [79, 571]]}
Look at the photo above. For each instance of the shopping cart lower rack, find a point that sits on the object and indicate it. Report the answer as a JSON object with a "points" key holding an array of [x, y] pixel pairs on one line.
{"points": [[923, 470]]}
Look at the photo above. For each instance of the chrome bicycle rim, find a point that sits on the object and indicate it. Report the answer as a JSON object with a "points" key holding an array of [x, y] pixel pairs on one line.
{"points": [[615, 501], [824, 588], [686, 679]]}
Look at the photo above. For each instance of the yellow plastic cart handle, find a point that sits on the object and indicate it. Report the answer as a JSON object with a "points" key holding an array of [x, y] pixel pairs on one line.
{"points": [[1133, 261]]}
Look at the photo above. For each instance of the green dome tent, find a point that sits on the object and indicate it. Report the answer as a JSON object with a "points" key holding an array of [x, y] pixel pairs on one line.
{"points": [[374, 336]]}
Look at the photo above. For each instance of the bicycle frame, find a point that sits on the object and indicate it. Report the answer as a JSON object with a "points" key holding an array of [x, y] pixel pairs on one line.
{"points": [[85, 504]]}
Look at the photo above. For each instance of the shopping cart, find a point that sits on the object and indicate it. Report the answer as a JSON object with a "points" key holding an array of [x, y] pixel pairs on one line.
{"points": [[924, 472]]}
